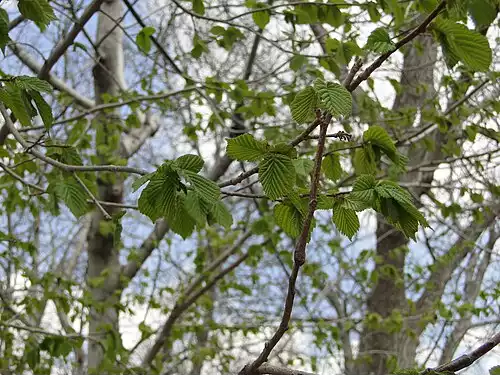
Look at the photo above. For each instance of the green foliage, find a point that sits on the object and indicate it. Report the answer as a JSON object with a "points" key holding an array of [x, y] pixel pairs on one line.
{"points": [[277, 175], [199, 7], [288, 218], [334, 97], [346, 220], [379, 41], [69, 190], [495, 370], [261, 18], [143, 38], [38, 11], [303, 106], [461, 44], [246, 147], [4, 29], [331, 166]]}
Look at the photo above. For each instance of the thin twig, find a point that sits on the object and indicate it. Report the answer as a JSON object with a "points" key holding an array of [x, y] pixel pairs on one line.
{"points": [[92, 197], [299, 254]]}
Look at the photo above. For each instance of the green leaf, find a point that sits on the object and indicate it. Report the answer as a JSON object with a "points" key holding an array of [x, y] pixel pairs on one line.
{"points": [[303, 105], [331, 166], [246, 147], [468, 46], [181, 221], [221, 215], [4, 29], [72, 194], [32, 83], [346, 220], [303, 167], [199, 46], [190, 162], [277, 175], [43, 108], [335, 97], [364, 188], [141, 181], [199, 7], [262, 18], [196, 207], [288, 218], [364, 160], [297, 61], [206, 189], [331, 15], [143, 38], [377, 135], [158, 199], [38, 11], [483, 12], [495, 370], [379, 41], [12, 97]]}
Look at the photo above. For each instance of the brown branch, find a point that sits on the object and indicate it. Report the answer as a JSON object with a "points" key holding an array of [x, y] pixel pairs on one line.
{"points": [[467, 359], [276, 370], [381, 59], [299, 254]]}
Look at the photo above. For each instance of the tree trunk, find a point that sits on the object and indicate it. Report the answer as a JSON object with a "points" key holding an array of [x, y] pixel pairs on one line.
{"points": [[103, 261]]}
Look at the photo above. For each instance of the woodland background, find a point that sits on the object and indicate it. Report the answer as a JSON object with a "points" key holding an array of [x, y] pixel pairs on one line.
{"points": [[97, 276]]}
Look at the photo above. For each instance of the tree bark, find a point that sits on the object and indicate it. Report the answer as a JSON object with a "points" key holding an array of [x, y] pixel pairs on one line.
{"points": [[103, 261]]}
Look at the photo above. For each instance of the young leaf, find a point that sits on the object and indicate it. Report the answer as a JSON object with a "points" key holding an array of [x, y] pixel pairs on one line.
{"points": [[364, 160], [221, 215], [206, 189], [335, 97], [4, 29], [38, 11], [72, 194], [262, 18], [141, 181], [277, 175], [143, 38], [379, 136], [303, 167], [483, 12], [159, 199], [495, 370], [43, 108], [12, 96], [303, 105], [180, 222], [190, 162], [288, 218], [331, 166], [199, 7], [246, 147], [346, 220], [468, 46], [32, 83], [379, 41], [364, 188]]}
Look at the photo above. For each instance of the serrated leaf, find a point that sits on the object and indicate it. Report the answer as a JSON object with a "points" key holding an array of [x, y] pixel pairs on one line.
{"points": [[277, 175], [379, 41], [143, 38], [38, 11], [141, 181], [190, 162], [72, 194], [199, 7], [206, 189], [364, 189], [468, 46], [43, 108], [303, 105], [246, 147], [221, 215], [297, 61], [289, 219], [364, 160], [159, 199], [303, 167], [284, 149], [262, 18], [4, 29], [331, 166], [377, 135], [346, 220], [196, 208], [12, 97], [180, 222], [483, 12], [334, 97], [32, 83]]}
